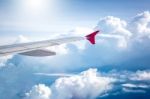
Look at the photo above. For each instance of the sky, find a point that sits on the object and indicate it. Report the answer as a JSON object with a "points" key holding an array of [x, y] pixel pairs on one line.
{"points": [[48, 16], [117, 66]]}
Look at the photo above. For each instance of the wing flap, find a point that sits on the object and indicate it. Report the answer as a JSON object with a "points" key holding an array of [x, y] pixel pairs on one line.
{"points": [[39, 53]]}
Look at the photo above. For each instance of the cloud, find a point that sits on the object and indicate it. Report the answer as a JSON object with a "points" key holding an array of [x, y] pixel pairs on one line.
{"points": [[61, 49], [137, 29], [138, 75], [87, 85], [133, 91], [55, 74], [141, 75], [129, 81], [111, 28], [91, 84], [116, 29], [21, 39], [130, 85], [140, 24], [39, 92], [3, 60], [119, 40], [113, 25]]}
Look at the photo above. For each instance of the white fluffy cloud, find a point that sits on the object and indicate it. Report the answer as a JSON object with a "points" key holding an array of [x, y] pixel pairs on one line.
{"points": [[87, 85], [113, 25], [39, 92], [136, 29], [120, 40], [3, 60], [116, 29], [141, 75], [140, 25]]}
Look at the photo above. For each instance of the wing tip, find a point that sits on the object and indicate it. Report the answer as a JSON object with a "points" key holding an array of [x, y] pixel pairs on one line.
{"points": [[91, 37]]}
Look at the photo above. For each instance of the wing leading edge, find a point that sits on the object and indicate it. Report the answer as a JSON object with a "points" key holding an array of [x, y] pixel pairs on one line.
{"points": [[36, 48]]}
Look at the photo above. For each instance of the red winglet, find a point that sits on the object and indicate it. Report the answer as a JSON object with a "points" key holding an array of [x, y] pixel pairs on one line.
{"points": [[91, 37]]}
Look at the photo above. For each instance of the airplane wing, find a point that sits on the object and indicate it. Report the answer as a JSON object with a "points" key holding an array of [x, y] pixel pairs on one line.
{"points": [[36, 48]]}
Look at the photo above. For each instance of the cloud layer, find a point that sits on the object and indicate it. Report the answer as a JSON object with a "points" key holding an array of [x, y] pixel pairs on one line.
{"points": [[86, 85], [39, 92], [90, 84]]}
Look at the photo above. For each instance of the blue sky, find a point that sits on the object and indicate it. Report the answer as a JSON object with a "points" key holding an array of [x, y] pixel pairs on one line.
{"points": [[64, 14], [93, 9]]}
